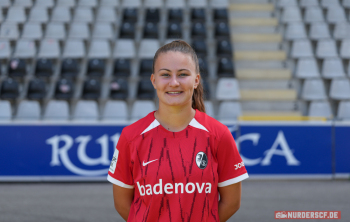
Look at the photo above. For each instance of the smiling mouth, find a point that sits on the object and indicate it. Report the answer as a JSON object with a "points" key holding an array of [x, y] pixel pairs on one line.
{"points": [[174, 93]]}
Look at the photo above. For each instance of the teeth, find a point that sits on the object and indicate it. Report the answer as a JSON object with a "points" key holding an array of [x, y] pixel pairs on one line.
{"points": [[174, 92]]}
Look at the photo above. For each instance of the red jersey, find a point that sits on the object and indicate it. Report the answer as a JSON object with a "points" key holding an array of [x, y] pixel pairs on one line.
{"points": [[176, 175]]}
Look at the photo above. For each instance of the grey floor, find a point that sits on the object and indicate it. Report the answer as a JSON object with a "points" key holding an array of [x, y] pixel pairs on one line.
{"points": [[93, 201]]}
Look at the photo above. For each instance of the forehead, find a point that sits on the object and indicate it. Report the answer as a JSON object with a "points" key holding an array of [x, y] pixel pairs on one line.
{"points": [[174, 60]]}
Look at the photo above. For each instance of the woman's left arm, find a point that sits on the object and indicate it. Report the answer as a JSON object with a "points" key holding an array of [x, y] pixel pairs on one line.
{"points": [[230, 200]]}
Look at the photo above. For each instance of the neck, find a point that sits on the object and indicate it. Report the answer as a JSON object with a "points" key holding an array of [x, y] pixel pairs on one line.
{"points": [[174, 118]]}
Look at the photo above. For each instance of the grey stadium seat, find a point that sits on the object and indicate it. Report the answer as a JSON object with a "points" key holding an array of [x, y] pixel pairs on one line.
{"points": [[307, 68], [301, 48], [153, 3], [332, 68], [346, 3], [16, 15], [329, 3], [28, 110], [106, 14], [74, 48], [87, 3], [110, 3], [5, 110], [66, 3], [219, 4], [340, 89], [55, 31], [148, 48], [5, 49], [341, 30], [99, 48], [336, 14], [86, 110], [61, 14], [291, 14], [124, 48], [5, 3], [175, 4], [326, 48], [38, 14], [197, 3], [23, 3], [32, 31], [286, 3], [44, 3], [79, 30], [83, 14], [344, 110], [345, 49], [313, 89], [313, 14], [132, 3], [308, 3], [103, 30], [115, 110], [141, 108], [229, 111], [25, 48], [56, 110], [319, 31], [49, 48], [295, 30], [320, 108], [9, 30], [209, 108], [227, 89]]}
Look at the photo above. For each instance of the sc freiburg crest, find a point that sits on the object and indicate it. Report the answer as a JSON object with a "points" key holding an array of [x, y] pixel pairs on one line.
{"points": [[201, 160]]}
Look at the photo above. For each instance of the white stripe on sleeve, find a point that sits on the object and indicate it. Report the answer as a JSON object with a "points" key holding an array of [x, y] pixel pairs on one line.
{"points": [[233, 180], [117, 182]]}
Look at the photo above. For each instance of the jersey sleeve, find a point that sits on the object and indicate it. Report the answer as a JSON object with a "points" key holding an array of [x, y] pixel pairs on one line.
{"points": [[120, 170], [231, 168]]}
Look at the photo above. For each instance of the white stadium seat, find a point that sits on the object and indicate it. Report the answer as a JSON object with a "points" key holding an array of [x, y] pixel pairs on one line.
{"points": [[25, 48], [301, 48], [74, 48], [307, 68], [124, 48], [141, 108], [49, 48], [115, 110], [340, 89], [57, 110], [320, 108], [326, 48], [5, 110], [313, 89], [148, 48], [99, 48], [344, 110], [332, 68], [291, 14], [295, 30], [229, 111], [28, 110], [345, 49], [227, 89], [319, 31], [55, 31], [86, 110]]}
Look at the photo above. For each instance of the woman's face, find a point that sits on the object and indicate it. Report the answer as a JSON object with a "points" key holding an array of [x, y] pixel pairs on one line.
{"points": [[175, 78]]}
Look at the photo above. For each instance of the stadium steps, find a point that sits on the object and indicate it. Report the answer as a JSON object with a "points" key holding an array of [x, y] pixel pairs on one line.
{"points": [[260, 60]]}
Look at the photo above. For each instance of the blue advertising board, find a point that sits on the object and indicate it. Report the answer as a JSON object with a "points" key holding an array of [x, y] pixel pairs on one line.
{"points": [[342, 149]]}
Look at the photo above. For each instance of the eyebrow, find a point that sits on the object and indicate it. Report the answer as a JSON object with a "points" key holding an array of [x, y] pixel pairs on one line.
{"points": [[170, 71]]}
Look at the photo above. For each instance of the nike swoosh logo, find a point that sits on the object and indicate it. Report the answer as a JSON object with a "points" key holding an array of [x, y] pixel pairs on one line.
{"points": [[144, 164]]}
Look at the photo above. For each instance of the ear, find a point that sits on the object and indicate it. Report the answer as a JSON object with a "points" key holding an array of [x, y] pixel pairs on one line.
{"points": [[197, 80], [153, 80]]}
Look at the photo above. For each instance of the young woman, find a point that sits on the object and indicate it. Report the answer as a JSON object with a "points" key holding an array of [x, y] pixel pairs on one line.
{"points": [[172, 164]]}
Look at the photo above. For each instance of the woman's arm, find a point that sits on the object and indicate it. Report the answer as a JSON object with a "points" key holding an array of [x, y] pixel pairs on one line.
{"points": [[230, 200], [123, 198]]}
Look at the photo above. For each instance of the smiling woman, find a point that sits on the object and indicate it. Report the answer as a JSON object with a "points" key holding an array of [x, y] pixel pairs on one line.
{"points": [[172, 164]]}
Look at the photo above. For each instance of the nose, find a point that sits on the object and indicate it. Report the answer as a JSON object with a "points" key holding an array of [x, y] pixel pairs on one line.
{"points": [[174, 81]]}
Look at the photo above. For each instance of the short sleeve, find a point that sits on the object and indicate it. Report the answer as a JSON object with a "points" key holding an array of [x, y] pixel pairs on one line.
{"points": [[120, 171], [231, 168]]}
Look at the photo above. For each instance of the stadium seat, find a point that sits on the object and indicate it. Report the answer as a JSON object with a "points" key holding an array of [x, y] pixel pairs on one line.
{"points": [[61, 14], [200, 47], [74, 48], [23, 3], [209, 108], [17, 68], [66, 3], [132, 4], [16, 14], [55, 31], [295, 30], [145, 90], [198, 14], [43, 68], [32, 31], [38, 14], [28, 110], [122, 67], [119, 89], [346, 4], [203, 67], [103, 30], [96, 67], [313, 89], [99, 48], [91, 89], [69, 68], [150, 30], [141, 108], [5, 3], [25, 48], [106, 14], [79, 30], [320, 108], [220, 15], [153, 3], [174, 30], [83, 14], [86, 110], [340, 89], [5, 111], [199, 30], [9, 89], [124, 49], [286, 3], [56, 110], [44, 3], [345, 49], [64, 89], [336, 14], [175, 15], [146, 67], [5, 49], [222, 30], [152, 15], [49, 48], [344, 110], [219, 4], [309, 3], [313, 14], [148, 48], [225, 67], [319, 31], [332, 68], [9, 30], [224, 48], [341, 30], [36, 89], [127, 30], [197, 3], [130, 15], [88, 3], [307, 68], [229, 111], [115, 110], [326, 48], [329, 3], [227, 89], [291, 14], [109, 3], [301, 48]]}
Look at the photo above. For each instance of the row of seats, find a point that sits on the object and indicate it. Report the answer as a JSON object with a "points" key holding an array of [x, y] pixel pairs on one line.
{"points": [[313, 3], [75, 48], [325, 48], [57, 110], [319, 30], [314, 89], [112, 3]]}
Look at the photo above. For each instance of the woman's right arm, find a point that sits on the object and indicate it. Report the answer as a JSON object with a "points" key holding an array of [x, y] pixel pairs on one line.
{"points": [[123, 198]]}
